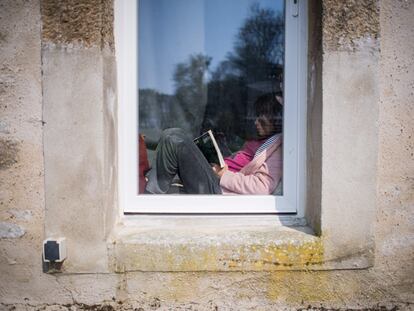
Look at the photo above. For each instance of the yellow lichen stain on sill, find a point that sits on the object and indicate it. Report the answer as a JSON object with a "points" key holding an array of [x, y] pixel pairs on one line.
{"points": [[278, 257], [283, 255]]}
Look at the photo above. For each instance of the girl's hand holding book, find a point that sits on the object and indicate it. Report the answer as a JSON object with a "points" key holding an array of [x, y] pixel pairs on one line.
{"points": [[219, 170]]}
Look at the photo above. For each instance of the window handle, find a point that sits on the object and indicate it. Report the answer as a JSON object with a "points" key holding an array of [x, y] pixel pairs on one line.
{"points": [[295, 8]]}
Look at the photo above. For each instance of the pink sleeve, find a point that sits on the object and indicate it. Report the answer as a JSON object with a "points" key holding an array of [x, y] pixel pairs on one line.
{"points": [[262, 181], [244, 156]]}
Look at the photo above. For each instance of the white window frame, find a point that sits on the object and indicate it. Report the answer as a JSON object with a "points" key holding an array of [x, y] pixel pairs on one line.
{"points": [[294, 145]]}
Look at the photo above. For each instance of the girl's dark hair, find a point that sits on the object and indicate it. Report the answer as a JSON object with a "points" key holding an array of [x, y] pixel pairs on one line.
{"points": [[269, 106]]}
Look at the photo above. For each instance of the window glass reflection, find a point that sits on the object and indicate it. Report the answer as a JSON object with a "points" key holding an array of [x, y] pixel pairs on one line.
{"points": [[211, 65]]}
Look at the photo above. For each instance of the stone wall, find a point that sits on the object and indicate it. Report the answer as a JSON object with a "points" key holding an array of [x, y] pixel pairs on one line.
{"points": [[79, 111], [39, 37], [395, 188], [21, 170], [346, 23], [89, 23]]}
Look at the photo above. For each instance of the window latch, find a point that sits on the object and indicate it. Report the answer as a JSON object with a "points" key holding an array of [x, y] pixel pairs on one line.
{"points": [[295, 8]]}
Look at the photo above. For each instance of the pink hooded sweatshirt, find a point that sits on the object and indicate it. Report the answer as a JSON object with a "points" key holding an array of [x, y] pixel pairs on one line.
{"points": [[260, 176]]}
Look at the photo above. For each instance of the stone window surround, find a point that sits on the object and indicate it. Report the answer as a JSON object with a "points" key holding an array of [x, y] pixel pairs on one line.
{"points": [[294, 164], [81, 204]]}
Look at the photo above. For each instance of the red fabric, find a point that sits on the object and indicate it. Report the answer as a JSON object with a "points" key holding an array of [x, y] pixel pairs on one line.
{"points": [[143, 164], [244, 156]]}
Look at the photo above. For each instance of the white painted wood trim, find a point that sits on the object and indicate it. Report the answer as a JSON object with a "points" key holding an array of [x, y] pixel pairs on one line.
{"points": [[302, 106], [294, 183]]}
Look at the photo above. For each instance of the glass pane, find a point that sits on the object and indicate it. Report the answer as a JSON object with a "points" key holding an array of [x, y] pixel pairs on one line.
{"points": [[210, 65]]}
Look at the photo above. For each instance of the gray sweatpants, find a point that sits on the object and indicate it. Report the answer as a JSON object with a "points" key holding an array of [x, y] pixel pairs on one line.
{"points": [[176, 154]]}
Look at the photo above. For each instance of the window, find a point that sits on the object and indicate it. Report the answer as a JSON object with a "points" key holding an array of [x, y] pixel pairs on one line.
{"points": [[138, 83]]}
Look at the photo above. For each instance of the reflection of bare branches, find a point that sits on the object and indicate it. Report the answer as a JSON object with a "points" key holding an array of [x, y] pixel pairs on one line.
{"points": [[254, 67], [222, 103], [259, 46], [191, 89]]}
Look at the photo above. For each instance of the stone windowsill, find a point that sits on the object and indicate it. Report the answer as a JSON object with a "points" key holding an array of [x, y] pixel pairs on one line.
{"points": [[223, 243], [214, 243]]}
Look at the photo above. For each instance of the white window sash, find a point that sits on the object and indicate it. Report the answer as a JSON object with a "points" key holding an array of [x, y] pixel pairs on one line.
{"points": [[294, 166]]}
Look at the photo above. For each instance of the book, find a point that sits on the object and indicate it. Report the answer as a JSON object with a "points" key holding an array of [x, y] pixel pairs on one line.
{"points": [[209, 148]]}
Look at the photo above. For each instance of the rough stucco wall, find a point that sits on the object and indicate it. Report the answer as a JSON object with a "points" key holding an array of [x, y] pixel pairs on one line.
{"points": [[21, 161], [395, 211], [349, 131], [25, 287], [22, 197], [89, 23], [21, 154], [347, 22], [78, 66]]}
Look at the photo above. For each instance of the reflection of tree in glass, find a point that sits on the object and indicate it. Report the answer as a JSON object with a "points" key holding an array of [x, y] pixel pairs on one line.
{"points": [[259, 49], [224, 103], [185, 109], [191, 90], [254, 67]]}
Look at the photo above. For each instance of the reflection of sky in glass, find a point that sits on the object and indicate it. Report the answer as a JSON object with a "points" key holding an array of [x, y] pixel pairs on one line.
{"points": [[171, 30]]}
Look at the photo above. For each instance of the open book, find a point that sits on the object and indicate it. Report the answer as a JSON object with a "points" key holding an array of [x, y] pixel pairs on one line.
{"points": [[209, 147]]}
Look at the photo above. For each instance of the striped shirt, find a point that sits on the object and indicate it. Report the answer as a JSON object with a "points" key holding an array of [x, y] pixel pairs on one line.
{"points": [[250, 150], [266, 145]]}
